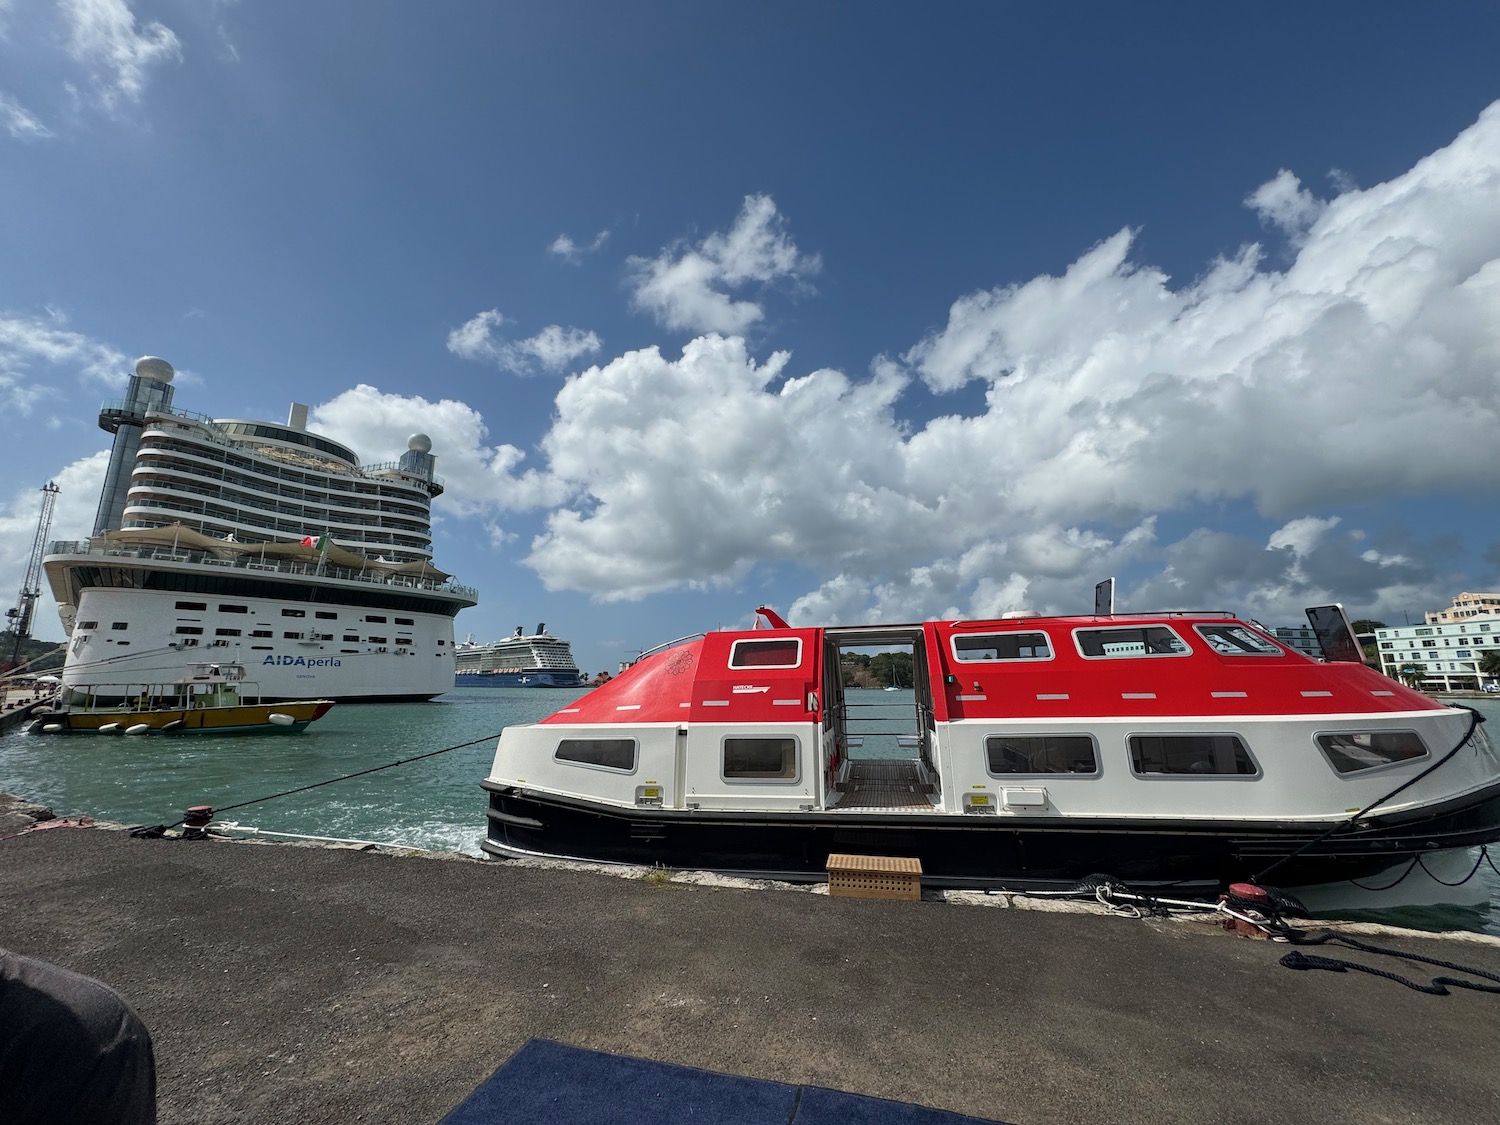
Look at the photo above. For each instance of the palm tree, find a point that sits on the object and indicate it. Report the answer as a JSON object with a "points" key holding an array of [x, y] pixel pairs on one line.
{"points": [[1411, 674], [1489, 666]]}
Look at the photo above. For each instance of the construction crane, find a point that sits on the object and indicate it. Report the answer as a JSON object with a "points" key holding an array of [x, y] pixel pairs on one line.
{"points": [[20, 616]]}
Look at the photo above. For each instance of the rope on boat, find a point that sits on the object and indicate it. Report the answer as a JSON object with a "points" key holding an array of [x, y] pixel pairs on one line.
{"points": [[1475, 718], [158, 831]]}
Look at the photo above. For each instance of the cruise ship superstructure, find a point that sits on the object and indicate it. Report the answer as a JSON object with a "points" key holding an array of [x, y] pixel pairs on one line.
{"points": [[540, 660], [260, 544]]}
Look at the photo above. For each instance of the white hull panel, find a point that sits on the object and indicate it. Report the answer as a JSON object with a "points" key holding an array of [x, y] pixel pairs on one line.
{"points": [[396, 662]]}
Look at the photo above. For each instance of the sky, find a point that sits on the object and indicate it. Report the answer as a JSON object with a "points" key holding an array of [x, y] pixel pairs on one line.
{"points": [[868, 312]]}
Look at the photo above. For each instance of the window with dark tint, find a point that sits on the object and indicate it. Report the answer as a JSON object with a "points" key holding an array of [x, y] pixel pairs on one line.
{"points": [[783, 652], [760, 757], [1236, 640], [1366, 749], [226, 632], [1002, 646], [1041, 753], [325, 615], [192, 605], [405, 621], [190, 630], [291, 636], [119, 625], [377, 640], [88, 625], [1144, 640], [1196, 755], [294, 613], [606, 753], [376, 620], [234, 609], [261, 633], [351, 636]]}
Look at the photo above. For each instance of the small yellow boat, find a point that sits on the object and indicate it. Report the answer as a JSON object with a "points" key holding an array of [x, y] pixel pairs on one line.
{"points": [[210, 699]]}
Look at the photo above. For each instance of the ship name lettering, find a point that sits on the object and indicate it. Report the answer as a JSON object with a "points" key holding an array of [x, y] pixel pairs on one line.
{"points": [[304, 661]]}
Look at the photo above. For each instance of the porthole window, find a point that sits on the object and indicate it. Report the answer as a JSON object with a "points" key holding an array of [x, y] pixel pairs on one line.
{"points": [[601, 753], [760, 758], [1191, 755], [1010, 754], [985, 647], [1130, 642], [1236, 640], [1352, 751], [783, 652]]}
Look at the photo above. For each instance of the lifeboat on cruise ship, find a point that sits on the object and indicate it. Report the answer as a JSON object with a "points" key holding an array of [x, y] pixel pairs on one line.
{"points": [[1182, 749]]}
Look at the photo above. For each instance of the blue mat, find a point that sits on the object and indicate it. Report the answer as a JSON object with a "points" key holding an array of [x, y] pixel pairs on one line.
{"points": [[548, 1083]]}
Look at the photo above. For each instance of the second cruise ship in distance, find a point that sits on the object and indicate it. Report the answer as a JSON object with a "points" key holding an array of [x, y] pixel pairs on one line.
{"points": [[540, 660], [259, 544]]}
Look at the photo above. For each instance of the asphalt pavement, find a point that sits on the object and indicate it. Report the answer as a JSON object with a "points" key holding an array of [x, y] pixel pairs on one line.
{"points": [[325, 985]]}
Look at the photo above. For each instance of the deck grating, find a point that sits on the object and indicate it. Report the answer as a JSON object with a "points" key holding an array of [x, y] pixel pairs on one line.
{"points": [[890, 783]]}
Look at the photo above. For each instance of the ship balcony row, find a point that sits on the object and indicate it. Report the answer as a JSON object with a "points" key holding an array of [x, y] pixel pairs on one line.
{"points": [[313, 514], [349, 493], [269, 476], [172, 441], [158, 512], [261, 567]]}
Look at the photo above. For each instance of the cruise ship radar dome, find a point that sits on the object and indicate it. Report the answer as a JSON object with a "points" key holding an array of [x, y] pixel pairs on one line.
{"points": [[152, 367], [419, 443]]}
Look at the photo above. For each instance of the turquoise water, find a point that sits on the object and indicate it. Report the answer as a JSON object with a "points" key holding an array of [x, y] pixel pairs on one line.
{"points": [[435, 803]]}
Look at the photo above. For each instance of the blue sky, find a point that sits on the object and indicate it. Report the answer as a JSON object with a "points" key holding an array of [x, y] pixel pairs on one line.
{"points": [[865, 311]]}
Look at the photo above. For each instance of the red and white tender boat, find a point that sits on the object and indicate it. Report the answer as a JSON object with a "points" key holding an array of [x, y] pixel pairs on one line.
{"points": [[1178, 749]]}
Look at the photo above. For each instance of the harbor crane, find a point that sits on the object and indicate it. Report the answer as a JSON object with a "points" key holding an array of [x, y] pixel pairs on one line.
{"points": [[20, 615]]}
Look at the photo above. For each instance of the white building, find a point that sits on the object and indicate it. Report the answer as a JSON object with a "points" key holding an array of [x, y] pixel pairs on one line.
{"points": [[1466, 606], [1447, 655], [1299, 637]]}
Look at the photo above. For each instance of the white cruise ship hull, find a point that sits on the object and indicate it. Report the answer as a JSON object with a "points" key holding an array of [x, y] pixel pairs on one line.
{"points": [[345, 640]]}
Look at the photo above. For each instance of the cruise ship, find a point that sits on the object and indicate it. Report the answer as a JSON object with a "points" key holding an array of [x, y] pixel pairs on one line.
{"points": [[260, 544], [540, 660]]}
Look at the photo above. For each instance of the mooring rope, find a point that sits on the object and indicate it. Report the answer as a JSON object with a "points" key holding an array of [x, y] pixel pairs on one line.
{"points": [[1475, 718], [156, 830]]}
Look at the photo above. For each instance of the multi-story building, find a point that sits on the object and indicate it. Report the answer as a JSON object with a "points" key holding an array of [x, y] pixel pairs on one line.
{"points": [[1466, 606], [1442, 657]]}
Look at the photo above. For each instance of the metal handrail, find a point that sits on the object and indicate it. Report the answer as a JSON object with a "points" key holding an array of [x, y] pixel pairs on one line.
{"points": [[251, 562]]}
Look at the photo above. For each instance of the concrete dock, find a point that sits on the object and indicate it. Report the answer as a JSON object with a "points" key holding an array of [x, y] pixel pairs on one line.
{"points": [[312, 984]]}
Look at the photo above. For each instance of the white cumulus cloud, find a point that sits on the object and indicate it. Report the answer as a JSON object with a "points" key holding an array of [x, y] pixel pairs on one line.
{"points": [[688, 288], [16, 120], [572, 252], [551, 349], [103, 36], [1112, 395]]}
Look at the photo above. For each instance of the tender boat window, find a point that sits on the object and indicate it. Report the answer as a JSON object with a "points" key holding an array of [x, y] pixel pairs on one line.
{"points": [[604, 753], [1236, 640], [1139, 640], [785, 652], [1041, 753], [760, 757], [1352, 751], [1001, 646], [1191, 755]]}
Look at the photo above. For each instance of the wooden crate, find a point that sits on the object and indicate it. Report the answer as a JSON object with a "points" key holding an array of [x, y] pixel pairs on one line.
{"points": [[875, 876]]}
